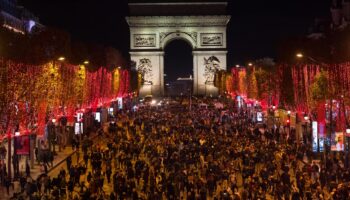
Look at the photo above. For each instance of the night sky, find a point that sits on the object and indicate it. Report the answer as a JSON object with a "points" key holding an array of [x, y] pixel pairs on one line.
{"points": [[255, 28]]}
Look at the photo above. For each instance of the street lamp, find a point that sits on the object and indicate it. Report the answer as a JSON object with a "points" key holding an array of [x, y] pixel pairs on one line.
{"points": [[299, 55], [306, 119], [86, 62], [250, 64], [288, 112], [61, 58]]}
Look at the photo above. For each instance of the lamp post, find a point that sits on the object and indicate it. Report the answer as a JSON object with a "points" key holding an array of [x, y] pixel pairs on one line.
{"points": [[289, 121], [306, 119], [301, 56], [52, 135], [328, 95]]}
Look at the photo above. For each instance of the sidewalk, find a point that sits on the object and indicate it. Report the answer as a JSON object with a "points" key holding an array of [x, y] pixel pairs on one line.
{"points": [[36, 171], [58, 164]]}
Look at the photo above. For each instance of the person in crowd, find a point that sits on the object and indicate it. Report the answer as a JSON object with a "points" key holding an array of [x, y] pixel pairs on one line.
{"points": [[172, 152]]}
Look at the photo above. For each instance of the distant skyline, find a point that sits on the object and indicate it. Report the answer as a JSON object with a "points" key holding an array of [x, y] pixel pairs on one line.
{"points": [[254, 30]]}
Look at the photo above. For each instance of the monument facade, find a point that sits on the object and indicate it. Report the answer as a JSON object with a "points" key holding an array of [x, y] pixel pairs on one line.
{"points": [[154, 25]]}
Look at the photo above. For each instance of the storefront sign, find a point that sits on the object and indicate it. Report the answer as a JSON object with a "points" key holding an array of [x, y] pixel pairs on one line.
{"points": [[337, 141]]}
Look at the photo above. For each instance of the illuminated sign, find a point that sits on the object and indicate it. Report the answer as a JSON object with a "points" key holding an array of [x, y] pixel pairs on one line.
{"points": [[337, 141], [314, 136], [110, 111], [259, 117], [120, 103], [78, 128], [98, 116]]}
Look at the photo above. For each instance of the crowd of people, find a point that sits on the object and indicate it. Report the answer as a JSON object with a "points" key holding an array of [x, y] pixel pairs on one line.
{"points": [[173, 152]]}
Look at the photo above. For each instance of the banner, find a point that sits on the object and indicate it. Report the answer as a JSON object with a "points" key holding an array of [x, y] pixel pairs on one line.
{"points": [[22, 145], [321, 135], [314, 136], [337, 141]]}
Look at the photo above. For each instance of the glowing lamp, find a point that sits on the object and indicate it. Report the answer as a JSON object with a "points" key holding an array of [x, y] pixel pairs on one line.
{"points": [[86, 62], [274, 107], [61, 58], [53, 120], [17, 133], [299, 55], [153, 102], [348, 131], [306, 118], [250, 64], [288, 112]]}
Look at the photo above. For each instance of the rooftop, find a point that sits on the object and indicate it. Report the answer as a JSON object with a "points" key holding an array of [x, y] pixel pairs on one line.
{"points": [[177, 8]]}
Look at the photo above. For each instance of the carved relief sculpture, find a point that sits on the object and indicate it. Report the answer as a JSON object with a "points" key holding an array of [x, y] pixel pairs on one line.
{"points": [[211, 39], [212, 65], [145, 40], [145, 69]]}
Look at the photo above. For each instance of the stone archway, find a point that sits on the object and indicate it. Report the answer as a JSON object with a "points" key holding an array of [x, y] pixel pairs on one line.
{"points": [[206, 34], [178, 73]]}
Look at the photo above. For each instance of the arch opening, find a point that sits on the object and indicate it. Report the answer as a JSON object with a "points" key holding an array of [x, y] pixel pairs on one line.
{"points": [[178, 68]]}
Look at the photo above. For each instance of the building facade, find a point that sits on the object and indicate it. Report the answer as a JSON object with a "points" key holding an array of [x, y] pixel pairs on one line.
{"points": [[17, 18]]}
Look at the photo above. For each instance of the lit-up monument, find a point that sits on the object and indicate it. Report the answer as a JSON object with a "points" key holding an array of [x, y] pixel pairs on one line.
{"points": [[200, 23]]}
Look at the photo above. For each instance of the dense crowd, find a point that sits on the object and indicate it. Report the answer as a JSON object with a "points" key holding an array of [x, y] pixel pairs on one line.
{"points": [[171, 152]]}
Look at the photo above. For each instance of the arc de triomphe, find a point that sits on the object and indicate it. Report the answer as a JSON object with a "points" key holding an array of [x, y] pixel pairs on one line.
{"points": [[202, 25]]}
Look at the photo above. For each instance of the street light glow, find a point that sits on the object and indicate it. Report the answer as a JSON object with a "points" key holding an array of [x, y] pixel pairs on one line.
{"points": [[250, 64], [61, 58], [348, 131], [86, 62], [299, 55]]}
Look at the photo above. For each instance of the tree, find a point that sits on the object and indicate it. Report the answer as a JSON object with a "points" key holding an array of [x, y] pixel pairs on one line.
{"points": [[252, 90], [320, 91], [287, 87], [265, 75]]}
